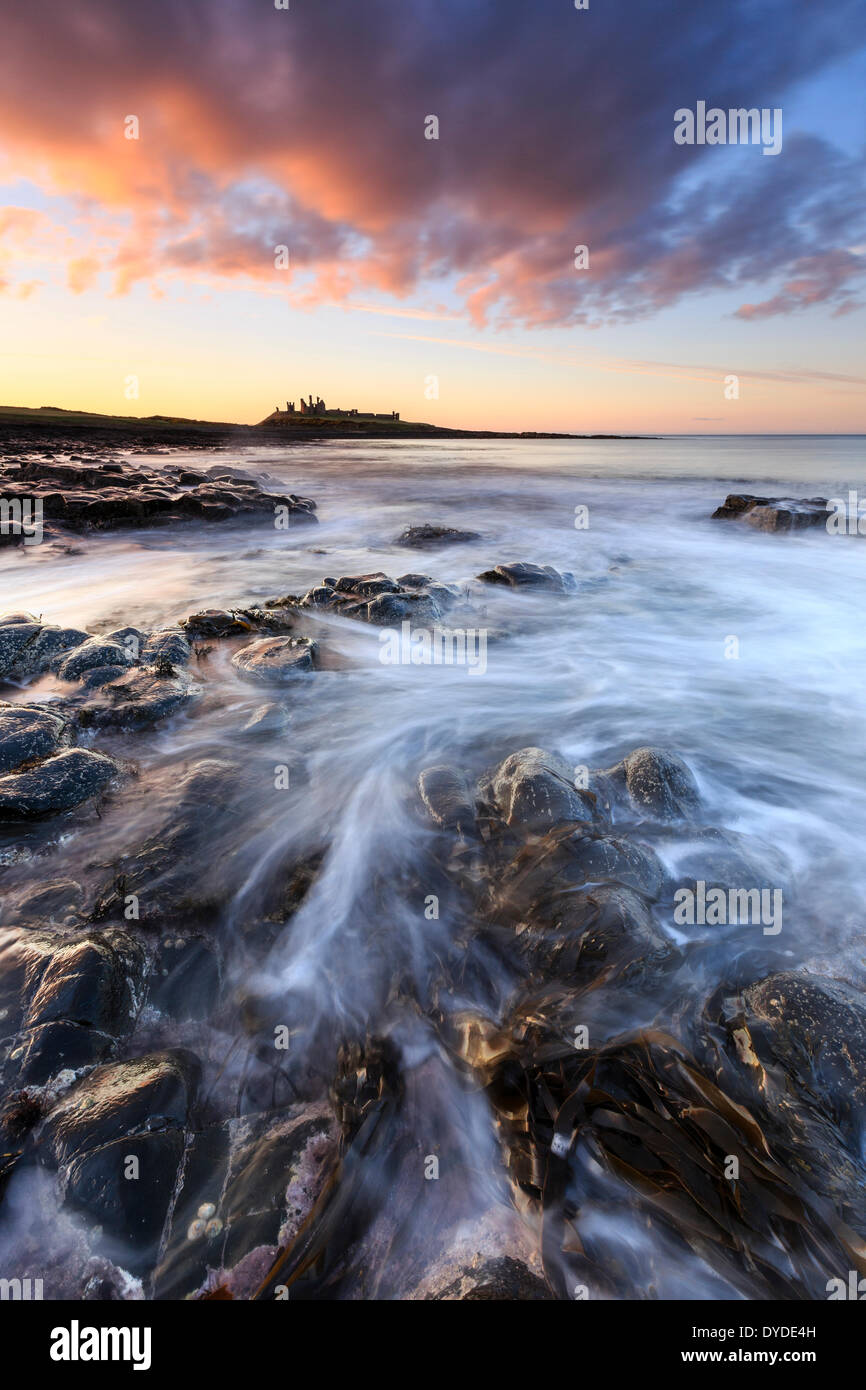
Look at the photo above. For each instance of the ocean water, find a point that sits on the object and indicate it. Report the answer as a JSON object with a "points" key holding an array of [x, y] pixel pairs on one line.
{"points": [[739, 651]]}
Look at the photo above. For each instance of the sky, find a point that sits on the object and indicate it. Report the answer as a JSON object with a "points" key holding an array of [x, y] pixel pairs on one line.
{"points": [[155, 157]]}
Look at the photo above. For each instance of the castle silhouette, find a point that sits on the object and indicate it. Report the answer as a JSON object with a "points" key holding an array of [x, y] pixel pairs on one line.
{"points": [[318, 407]]}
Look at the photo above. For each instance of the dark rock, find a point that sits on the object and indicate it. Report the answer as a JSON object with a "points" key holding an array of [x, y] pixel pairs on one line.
{"points": [[169, 648], [92, 653], [15, 639], [61, 782], [186, 979], [129, 1210], [658, 784], [430, 536], [447, 798], [535, 789], [93, 980], [28, 732], [374, 598], [774, 513], [527, 576], [502, 1280], [815, 1028], [140, 696], [598, 934], [53, 1048], [142, 1096], [276, 658]]}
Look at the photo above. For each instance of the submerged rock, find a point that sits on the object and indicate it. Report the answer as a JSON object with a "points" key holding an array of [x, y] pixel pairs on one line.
{"points": [[430, 536]]}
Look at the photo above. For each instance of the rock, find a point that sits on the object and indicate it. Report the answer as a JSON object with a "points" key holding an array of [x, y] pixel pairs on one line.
{"points": [[59, 900], [92, 653], [571, 857], [168, 648], [15, 638], [217, 622], [430, 536], [129, 1213], [141, 1096], [774, 513], [61, 782], [527, 576], [447, 798], [186, 979], [598, 934], [140, 696], [374, 598], [182, 871], [94, 981], [815, 1028], [52, 1048], [28, 732], [276, 658], [658, 784], [535, 789], [43, 646], [247, 1187], [268, 719], [81, 496], [502, 1280]]}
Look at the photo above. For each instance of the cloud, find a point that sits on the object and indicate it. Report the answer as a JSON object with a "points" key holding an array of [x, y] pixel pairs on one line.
{"points": [[261, 127]]}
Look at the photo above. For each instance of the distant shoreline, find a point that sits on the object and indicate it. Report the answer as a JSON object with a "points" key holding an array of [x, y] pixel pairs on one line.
{"points": [[55, 419]]}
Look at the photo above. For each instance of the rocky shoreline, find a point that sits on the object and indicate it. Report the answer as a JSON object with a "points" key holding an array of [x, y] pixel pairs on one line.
{"points": [[138, 1033]]}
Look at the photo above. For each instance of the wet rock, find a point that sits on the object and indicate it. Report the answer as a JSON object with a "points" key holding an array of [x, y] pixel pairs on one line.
{"points": [[247, 1187], [41, 649], [93, 653], [101, 676], [177, 872], [268, 719], [29, 732], [84, 496], [65, 780], [375, 598], [94, 981], [186, 979], [535, 789], [658, 784], [447, 798], [430, 536], [15, 639], [528, 576], [52, 1048], [567, 858], [599, 934], [58, 901], [168, 648], [815, 1028], [501, 1280], [139, 1097], [276, 658], [774, 513], [217, 622], [129, 1213], [140, 696]]}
